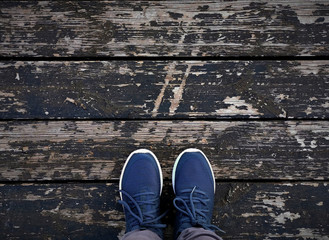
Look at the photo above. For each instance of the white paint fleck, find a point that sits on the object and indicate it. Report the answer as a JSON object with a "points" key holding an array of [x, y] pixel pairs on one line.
{"points": [[308, 69], [253, 214], [234, 108], [277, 202], [49, 191], [21, 110], [313, 98], [38, 70], [259, 164], [283, 114], [320, 203], [307, 233], [46, 113], [19, 64], [313, 144], [283, 217], [282, 96], [226, 13], [32, 197], [309, 157], [300, 141], [310, 184], [308, 111], [175, 90], [4, 94], [124, 69], [71, 100], [325, 105], [292, 131], [221, 37], [288, 184], [280, 193], [122, 85], [198, 73], [17, 77]]}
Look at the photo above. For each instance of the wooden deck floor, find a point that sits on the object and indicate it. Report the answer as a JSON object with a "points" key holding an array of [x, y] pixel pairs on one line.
{"points": [[84, 83]]}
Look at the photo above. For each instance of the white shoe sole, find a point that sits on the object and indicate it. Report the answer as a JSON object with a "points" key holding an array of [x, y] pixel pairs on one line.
{"points": [[129, 157], [176, 164]]}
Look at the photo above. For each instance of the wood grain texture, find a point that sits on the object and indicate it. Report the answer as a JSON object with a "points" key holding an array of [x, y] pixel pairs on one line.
{"points": [[164, 89], [88, 150], [160, 28], [90, 211], [273, 211]]}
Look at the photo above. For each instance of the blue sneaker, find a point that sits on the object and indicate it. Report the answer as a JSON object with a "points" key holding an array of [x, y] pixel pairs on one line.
{"points": [[194, 185], [140, 189]]}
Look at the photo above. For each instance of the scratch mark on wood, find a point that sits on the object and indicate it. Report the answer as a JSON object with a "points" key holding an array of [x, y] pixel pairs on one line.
{"points": [[168, 78], [178, 92], [260, 87], [71, 100]]}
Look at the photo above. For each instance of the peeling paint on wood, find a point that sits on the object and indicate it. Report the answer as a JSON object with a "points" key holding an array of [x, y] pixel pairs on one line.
{"points": [[164, 89], [44, 150], [90, 211], [87, 150], [272, 211], [60, 211], [160, 28]]}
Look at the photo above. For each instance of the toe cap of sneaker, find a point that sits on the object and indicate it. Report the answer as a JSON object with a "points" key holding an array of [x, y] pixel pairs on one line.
{"points": [[193, 170], [141, 174]]}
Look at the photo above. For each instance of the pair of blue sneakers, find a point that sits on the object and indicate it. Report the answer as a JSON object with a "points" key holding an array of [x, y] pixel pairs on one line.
{"points": [[141, 186]]}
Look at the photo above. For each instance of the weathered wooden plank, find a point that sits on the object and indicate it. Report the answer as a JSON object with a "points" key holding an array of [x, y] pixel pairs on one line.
{"points": [[60, 211], [162, 28], [86, 150], [90, 211], [165, 89], [273, 211]]}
